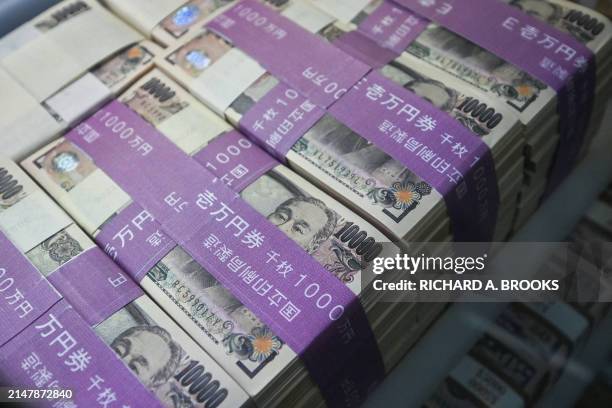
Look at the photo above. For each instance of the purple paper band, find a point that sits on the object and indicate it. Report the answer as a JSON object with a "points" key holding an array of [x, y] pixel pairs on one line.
{"points": [[392, 27], [279, 119], [554, 57], [309, 308], [433, 145], [24, 293], [94, 285], [135, 241], [235, 160], [383, 35], [148, 185], [318, 70], [214, 225], [365, 49], [60, 351]]}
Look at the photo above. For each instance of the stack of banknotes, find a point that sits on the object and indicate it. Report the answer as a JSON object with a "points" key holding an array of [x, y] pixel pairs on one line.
{"points": [[489, 77], [437, 50], [61, 66], [181, 285], [285, 116], [526, 351], [457, 76], [73, 320], [341, 161]]}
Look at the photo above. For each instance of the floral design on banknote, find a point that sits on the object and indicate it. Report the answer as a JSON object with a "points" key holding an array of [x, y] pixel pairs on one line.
{"points": [[57, 250], [118, 67], [362, 167], [158, 361], [475, 65], [342, 247], [213, 308], [11, 190], [257, 346], [401, 195]]}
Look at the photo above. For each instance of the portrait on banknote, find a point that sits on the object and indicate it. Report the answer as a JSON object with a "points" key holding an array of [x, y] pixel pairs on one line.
{"points": [[149, 351]]}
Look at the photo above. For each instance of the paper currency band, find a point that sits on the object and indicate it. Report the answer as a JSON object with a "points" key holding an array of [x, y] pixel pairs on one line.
{"points": [[126, 237], [46, 339], [228, 153], [59, 350], [18, 280], [457, 163], [448, 156], [194, 207], [377, 47], [556, 58], [308, 67], [288, 51], [92, 283]]}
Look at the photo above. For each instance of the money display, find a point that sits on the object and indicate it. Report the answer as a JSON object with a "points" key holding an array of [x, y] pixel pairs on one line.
{"points": [[159, 354], [77, 78], [438, 49], [227, 172], [525, 353], [185, 289], [343, 162]]}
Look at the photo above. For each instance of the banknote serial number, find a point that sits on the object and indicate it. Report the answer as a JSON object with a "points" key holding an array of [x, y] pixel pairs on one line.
{"points": [[19, 394]]}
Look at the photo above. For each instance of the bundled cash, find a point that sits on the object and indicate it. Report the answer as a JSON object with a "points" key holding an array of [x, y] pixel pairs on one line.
{"points": [[182, 287], [526, 351], [52, 75], [168, 22], [216, 102], [533, 102], [161, 355], [363, 175]]}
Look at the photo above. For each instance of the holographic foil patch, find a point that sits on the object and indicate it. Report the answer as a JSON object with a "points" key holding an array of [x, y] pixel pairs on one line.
{"points": [[65, 162], [186, 15], [198, 59]]}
